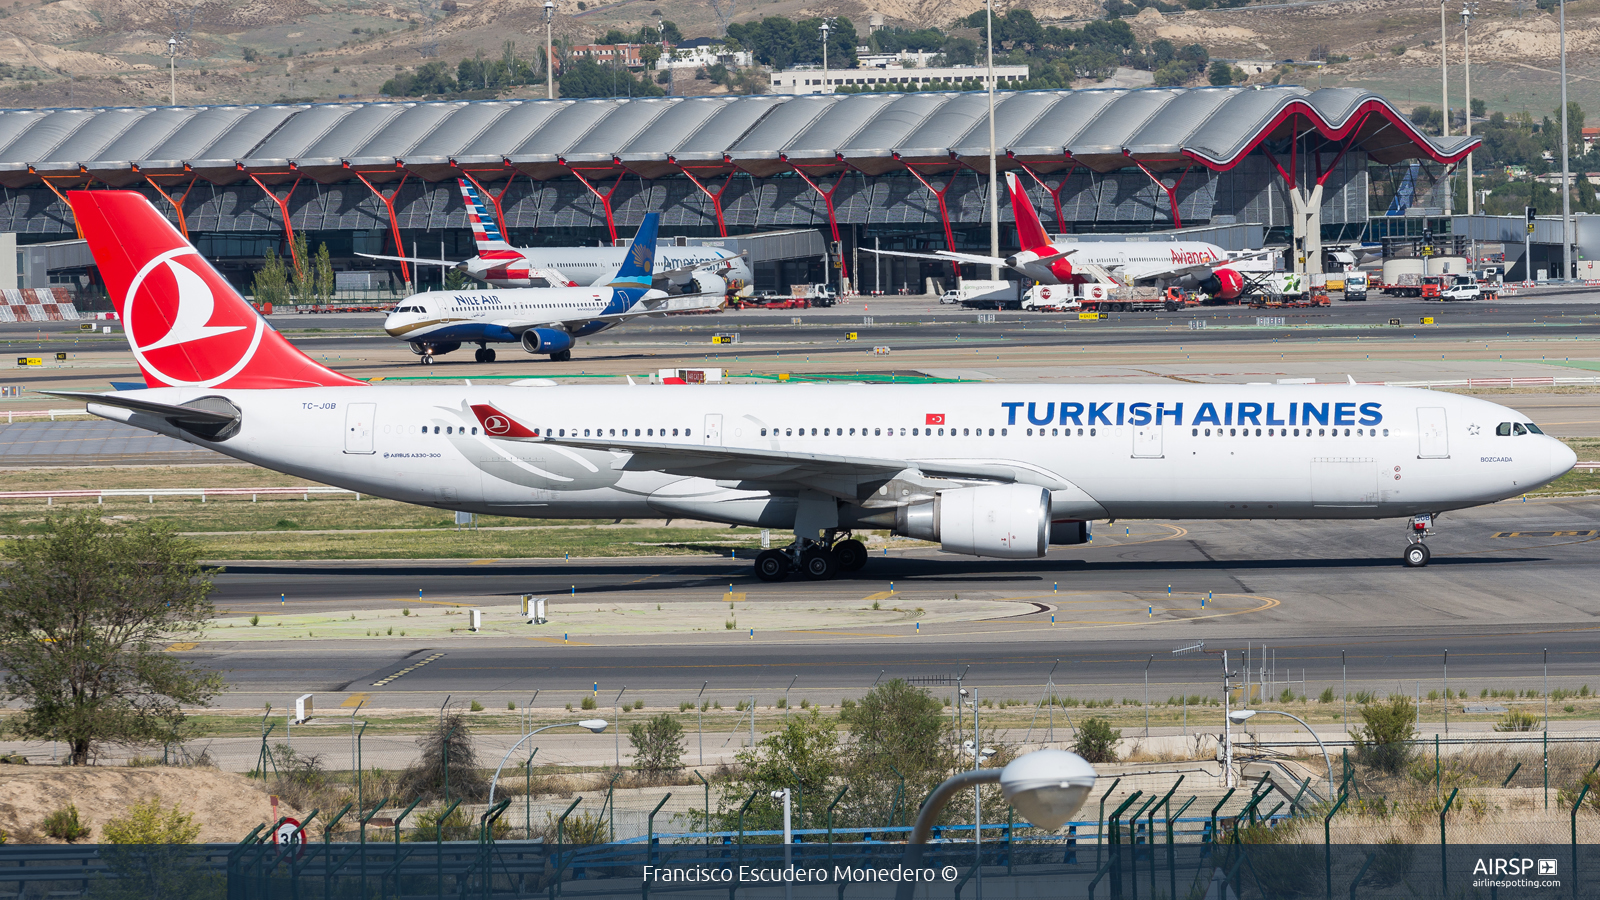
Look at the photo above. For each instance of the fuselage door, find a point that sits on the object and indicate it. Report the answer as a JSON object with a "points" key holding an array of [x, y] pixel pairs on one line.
{"points": [[358, 421], [713, 432], [1147, 441], [1433, 442]]}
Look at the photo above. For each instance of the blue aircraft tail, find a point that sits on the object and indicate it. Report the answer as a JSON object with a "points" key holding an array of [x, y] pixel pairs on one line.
{"points": [[638, 267]]}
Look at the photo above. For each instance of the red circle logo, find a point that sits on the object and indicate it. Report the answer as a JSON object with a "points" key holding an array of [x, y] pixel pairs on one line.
{"points": [[497, 425], [185, 324]]}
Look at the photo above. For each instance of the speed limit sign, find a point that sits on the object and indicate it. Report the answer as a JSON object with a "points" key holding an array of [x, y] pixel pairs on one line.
{"points": [[290, 832]]}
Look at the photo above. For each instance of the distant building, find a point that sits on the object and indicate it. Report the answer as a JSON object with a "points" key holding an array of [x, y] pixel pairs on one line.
{"points": [[702, 51], [1590, 135], [615, 54], [808, 79]]}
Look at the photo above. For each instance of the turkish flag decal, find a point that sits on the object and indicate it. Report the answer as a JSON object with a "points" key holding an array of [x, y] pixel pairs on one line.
{"points": [[935, 419]]}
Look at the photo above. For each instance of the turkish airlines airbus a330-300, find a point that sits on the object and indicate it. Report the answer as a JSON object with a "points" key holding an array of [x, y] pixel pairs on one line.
{"points": [[993, 470]]}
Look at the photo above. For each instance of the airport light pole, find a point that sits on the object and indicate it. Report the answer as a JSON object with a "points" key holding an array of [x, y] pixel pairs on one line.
{"points": [[824, 27], [1466, 63], [172, 72], [595, 725], [994, 197], [1240, 716], [1046, 786], [1566, 172], [549, 56], [1444, 72]]}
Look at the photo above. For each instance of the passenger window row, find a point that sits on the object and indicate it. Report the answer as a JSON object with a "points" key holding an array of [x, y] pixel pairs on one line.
{"points": [[1284, 432], [447, 429], [883, 432], [601, 432]]}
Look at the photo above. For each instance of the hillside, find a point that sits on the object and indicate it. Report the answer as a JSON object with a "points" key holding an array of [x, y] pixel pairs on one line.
{"points": [[113, 52]]}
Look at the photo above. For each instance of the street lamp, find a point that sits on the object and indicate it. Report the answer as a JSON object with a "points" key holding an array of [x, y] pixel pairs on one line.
{"points": [[1240, 716], [595, 725], [994, 197], [1046, 786], [824, 27], [1566, 174], [172, 69], [1466, 64], [549, 57]]}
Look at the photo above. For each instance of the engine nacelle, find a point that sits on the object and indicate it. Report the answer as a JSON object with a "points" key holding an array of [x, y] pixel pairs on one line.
{"points": [[546, 340], [1064, 532], [1003, 521]]}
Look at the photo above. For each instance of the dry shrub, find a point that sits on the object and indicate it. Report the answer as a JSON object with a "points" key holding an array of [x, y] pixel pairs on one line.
{"points": [[449, 764]]}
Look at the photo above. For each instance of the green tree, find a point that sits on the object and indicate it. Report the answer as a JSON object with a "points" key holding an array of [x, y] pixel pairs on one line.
{"points": [[271, 281], [657, 744], [587, 78], [325, 279], [1220, 74], [1385, 738], [303, 274], [1097, 741], [86, 612], [895, 727], [804, 755]]}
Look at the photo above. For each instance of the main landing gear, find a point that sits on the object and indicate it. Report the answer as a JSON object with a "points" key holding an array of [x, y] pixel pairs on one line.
{"points": [[483, 354], [815, 560], [1419, 528]]}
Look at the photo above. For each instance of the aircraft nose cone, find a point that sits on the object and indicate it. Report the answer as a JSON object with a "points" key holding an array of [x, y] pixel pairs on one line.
{"points": [[1562, 459]]}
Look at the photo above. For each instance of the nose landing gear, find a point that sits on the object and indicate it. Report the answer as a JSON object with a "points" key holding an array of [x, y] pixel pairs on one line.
{"points": [[1417, 553], [815, 560]]}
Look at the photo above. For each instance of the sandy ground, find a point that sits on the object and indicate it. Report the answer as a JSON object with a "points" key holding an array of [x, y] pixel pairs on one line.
{"points": [[225, 806]]}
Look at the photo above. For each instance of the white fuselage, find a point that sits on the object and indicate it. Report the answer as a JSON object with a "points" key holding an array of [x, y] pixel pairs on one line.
{"points": [[471, 316], [1127, 451], [596, 265]]}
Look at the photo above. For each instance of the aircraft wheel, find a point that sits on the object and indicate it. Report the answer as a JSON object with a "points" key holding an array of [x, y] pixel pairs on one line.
{"points": [[852, 555], [1417, 556], [563, 356], [488, 354], [427, 360], [819, 565], [771, 565], [477, 355]]}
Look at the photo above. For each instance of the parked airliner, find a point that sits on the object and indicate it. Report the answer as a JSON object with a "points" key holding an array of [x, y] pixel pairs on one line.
{"points": [[544, 319], [1191, 265], [682, 269], [990, 470]]}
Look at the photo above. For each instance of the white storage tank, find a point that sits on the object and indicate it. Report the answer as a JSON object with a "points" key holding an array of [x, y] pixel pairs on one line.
{"points": [[1394, 268], [1447, 265]]}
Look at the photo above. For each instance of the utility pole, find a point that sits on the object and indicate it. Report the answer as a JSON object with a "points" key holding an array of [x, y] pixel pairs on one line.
{"points": [[172, 71], [994, 197], [1566, 172], [549, 57], [1444, 97], [826, 25], [1466, 62]]}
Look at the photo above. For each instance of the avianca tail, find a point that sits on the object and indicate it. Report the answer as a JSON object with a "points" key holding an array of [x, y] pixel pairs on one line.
{"points": [[544, 320], [992, 470], [1192, 265], [683, 269]]}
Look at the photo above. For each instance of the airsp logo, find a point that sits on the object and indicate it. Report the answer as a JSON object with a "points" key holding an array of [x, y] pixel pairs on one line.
{"points": [[497, 425], [175, 328]]}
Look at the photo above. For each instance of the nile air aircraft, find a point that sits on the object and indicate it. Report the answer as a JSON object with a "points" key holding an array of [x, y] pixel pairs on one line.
{"points": [[988, 470]]}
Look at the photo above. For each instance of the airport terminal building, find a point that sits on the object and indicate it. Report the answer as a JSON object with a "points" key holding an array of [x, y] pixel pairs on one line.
{"points": [[893, 171]]}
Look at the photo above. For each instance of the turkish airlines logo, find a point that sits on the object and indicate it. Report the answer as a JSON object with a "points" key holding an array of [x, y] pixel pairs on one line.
{"points": [[497, 425], [177, 330], [934, 419]]}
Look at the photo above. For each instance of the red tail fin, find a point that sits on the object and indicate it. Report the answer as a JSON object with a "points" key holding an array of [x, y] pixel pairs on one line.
{"points": [[1030, 231], [186, 325]]}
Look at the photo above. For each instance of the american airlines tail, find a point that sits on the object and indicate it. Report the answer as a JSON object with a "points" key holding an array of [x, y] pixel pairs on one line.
{"points": [[186, 325], [485, 227], [1030, 231]]}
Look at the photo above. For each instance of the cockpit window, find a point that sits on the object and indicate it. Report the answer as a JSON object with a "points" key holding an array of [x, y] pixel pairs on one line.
{"points": [[1534, 428], [1503, 429], [1518, 429]]}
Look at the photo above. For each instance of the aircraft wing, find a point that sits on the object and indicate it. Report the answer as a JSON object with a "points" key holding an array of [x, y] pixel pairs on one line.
{"points": [[710, 263], [415, 260], [944, 255]]}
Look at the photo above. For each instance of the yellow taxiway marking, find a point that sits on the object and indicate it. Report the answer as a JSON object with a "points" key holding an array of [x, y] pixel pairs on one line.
{"points": [[179, 648], [732, 597], [881, 595], [355, 700], [550, 640], [433, 602], [483, 562]]}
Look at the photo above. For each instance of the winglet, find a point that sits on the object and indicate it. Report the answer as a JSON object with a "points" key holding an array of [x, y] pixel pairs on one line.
{"points": [[497, 424]]}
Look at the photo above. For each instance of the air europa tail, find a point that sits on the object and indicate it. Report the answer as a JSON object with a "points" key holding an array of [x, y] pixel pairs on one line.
{"points": [[639, 266], [1030, 231], [186, 325]]}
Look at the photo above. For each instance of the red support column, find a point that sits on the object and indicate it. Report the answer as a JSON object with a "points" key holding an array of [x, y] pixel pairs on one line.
{"points": [[283, 208], [394, 224], [1171, 192], [605, 199], [827, 200], [938, 194], [499, 214], [1055, 195], [716, 197], [177, 205]]}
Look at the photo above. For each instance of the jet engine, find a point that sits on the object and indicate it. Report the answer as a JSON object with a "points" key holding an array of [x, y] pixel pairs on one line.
{"points": [[1003, 521], [709, 283], [546, 340]]}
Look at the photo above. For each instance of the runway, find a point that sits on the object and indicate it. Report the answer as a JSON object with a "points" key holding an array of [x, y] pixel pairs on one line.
{"points": [[1506, 582]]}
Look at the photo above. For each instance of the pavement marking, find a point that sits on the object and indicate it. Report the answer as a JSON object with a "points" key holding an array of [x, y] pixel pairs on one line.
{"points": [[433, 602], [411, 668], [355, 700], [1512, 534], [550, 640], [881, 595], [733, 597], [179, 648], [483, 562]]}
